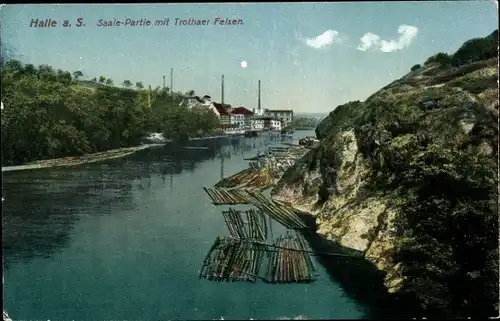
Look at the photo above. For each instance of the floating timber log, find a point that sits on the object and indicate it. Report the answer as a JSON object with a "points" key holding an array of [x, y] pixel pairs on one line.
{"points": [[233, 260], [280, 213], [290, 262], [281, 149], [249, 178], [223, 196], [249, 224]]}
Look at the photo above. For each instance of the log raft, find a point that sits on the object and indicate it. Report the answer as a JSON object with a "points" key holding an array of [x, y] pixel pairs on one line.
{"points": [[289, 262], [232, 259]]}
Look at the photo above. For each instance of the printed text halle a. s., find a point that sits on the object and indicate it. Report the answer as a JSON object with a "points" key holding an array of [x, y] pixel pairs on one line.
{"points": [[79, 22], [51, 23]]}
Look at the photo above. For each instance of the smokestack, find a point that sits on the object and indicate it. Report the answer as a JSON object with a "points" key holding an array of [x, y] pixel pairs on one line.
{"points": [[163, 82], [171, 80], [258, 104], [222, 90]]}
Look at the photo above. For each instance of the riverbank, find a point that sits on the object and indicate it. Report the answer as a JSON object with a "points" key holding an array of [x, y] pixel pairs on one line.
{"points": [[97, 157]]}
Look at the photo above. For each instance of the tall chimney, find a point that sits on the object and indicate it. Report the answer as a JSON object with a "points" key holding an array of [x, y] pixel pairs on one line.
{"points": [[258, 104], [222, 90], [163, 82], [171, 80]]}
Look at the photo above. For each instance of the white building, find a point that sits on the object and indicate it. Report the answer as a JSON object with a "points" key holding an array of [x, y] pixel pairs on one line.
{"points": [[241, 119], [275, 124], [196, 101], [286, 116], [237, 119], [257, 123]]}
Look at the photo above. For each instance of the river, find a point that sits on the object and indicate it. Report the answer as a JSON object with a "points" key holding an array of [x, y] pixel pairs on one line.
{"points": [[125, 239]]}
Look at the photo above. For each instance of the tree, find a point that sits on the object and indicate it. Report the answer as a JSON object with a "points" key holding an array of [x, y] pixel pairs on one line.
{"points": [[190, 93], [102, 80], [14, 65], [109, 82], [127, 83], [139, 85], [94, 79], [30, 69], [46, 72], [77, 74], [303, 123], [67, 77]]}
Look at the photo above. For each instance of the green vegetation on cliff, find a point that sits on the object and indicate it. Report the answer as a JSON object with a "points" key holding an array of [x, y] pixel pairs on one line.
{"points": [[52, 114], [429, 144]]}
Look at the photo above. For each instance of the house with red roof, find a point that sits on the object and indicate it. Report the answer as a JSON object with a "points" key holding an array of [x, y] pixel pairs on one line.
{"points": [[243, 117], [223, 112]]}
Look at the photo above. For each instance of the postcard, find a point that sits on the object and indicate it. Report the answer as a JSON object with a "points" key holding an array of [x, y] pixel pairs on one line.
{"points": [[249, 161]]}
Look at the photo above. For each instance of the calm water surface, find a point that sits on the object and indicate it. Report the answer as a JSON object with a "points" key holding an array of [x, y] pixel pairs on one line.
{"points": [[125, 239]]}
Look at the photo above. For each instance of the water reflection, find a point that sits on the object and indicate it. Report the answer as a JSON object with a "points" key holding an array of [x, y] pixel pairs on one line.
{"points": [[42, 206]]}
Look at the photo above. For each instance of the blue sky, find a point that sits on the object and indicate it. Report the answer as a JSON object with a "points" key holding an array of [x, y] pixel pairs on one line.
{"points": [[277, 40]]}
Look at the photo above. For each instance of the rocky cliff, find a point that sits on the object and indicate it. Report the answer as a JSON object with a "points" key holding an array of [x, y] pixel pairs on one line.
{"points": [[409, 178]]}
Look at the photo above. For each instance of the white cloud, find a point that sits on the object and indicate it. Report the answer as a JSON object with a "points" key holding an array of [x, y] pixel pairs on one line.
{"points": [[368, 40], [406, 36], [323, 40]]}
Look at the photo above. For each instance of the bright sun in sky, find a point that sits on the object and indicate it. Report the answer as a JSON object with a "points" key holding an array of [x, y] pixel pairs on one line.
{"points": [[243, 64]]}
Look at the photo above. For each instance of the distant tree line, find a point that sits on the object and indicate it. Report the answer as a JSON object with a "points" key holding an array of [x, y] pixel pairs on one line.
{"points": [[304, 123], [49, 114]]}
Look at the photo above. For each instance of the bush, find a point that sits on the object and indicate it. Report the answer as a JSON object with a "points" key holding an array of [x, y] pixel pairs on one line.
{"points": [[441, 58], [417, 66]]}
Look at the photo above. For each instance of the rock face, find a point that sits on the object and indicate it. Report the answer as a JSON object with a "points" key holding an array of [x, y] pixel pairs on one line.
{"points": [[409, 178], [308, 141], [278, 163]]}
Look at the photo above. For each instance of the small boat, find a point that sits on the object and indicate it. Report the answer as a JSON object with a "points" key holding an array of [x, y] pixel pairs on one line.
{"points": [[287, 131]]}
